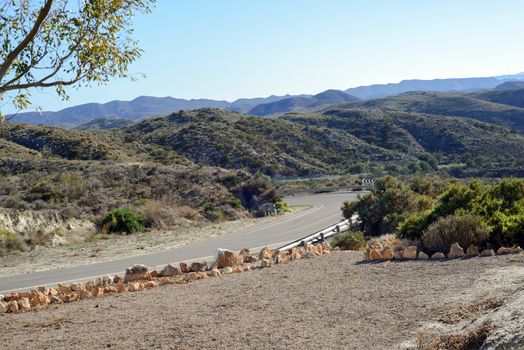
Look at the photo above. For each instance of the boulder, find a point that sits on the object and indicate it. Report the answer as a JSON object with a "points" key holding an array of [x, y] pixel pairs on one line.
{"points": [[97, 292], [133, 287], [227, 270], [121, 288], [3, 307], [170, 270], [77, 287], [504, 251], [12, 306], [55, 299], [265, 253], [398, 254], [63, 288], [108, 280], [136, 273], [516, 250], [24, 305], [456, 251], [487, 252], [214, 273], [154, 274], [70, 297], [38, 298], [472, 250], [374, 255], [319, 249], [410, 252], [85, 294], [110, 289], [184, 268], [117, 279], [423, 256], [387, 254], [199, 266], [265, 263], [151, 284], [191, 276], [250, 259], [163, 281], [438, 255], [53, 292], [42, 289], [226, 258], [90, 285]]}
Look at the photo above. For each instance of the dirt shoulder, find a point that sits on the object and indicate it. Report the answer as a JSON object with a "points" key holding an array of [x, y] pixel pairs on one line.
{"points": [[329, 302], [110, 247]]}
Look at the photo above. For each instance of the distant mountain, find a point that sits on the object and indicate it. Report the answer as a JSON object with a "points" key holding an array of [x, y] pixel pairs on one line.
{"points": [[137, 109], [450, 104], [510, 85], [300, 102], [145, 106], [384, 90], [104, 124]]}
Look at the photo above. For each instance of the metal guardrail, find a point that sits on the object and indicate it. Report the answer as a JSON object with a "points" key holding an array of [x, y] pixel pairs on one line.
{"points": [[320, 236]]}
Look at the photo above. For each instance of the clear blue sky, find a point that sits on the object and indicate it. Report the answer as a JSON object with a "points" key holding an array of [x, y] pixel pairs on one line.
{"points": [[227, 49]]}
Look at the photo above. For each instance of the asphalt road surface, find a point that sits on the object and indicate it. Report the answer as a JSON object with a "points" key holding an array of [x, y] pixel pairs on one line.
{"points": [[325, 212]]}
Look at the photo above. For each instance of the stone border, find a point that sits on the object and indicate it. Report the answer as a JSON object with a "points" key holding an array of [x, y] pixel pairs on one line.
{"points": [[139, 277], [377, 252]]}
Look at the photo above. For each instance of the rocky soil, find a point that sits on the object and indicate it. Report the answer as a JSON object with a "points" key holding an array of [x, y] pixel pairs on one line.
{"points": [[331, 302]]}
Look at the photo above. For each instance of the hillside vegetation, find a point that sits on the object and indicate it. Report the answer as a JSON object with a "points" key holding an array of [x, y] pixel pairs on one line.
{"points": [[451, 104], [336, 141]]}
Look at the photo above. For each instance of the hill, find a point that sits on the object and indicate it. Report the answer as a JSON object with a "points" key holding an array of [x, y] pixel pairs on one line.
{"points": [[507, 95], [315, 143], [451, 104], [104, 124], [301, 102]]}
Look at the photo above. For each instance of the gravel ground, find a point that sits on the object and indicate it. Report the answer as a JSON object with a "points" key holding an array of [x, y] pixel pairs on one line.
{"points": [[330, 302]]}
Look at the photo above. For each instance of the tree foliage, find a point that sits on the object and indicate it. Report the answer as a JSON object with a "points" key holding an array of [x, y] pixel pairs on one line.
{"points": [[60, 43]]}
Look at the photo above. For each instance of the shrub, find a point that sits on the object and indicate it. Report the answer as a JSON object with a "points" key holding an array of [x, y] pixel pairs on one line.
{"points": [[350, 241], [467, 229], [157, 215], [11, 241], [282, 207], [234, 202], [122, 220], [211, 212]]}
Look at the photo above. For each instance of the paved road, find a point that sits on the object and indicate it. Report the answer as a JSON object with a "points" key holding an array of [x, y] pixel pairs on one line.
{"points": [[325, 212]]}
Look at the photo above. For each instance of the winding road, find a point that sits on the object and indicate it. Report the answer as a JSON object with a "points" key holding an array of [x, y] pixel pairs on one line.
{"points": [[324, 212]]}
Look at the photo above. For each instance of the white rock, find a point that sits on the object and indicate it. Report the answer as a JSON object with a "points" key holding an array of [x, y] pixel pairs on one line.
{"points": [[456, 251]]}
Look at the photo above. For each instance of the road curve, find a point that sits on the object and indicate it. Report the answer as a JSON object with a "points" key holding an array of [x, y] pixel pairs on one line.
{"points": [[325, 212]]}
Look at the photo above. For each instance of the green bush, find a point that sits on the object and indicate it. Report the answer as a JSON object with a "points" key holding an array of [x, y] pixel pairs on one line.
{"points": [[465, 230], [234, 202], [282, 207], [349, 241], [212, 213], [11, 241], [122, 221]]}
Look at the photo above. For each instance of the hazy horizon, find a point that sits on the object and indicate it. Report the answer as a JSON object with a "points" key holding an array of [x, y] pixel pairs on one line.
{"points": [[237, 49]]}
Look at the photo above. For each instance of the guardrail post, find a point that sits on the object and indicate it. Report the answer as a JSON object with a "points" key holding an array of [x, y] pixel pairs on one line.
{"points": [[322, 238]]}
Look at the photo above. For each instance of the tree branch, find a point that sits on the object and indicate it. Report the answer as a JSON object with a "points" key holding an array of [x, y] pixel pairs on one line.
{"points": [[44, 12]]}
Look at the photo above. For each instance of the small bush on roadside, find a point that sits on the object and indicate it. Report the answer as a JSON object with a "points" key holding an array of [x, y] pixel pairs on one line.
{"points": [[187, 213], [122, 221], [234, 202], [157, 215], [11, 241], [282, 207], [467, 229], [212, 213], [350, 241]]}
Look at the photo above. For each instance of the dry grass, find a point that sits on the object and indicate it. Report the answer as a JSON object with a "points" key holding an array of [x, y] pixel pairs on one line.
{"points": [[461, 341], [470, 310]]}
